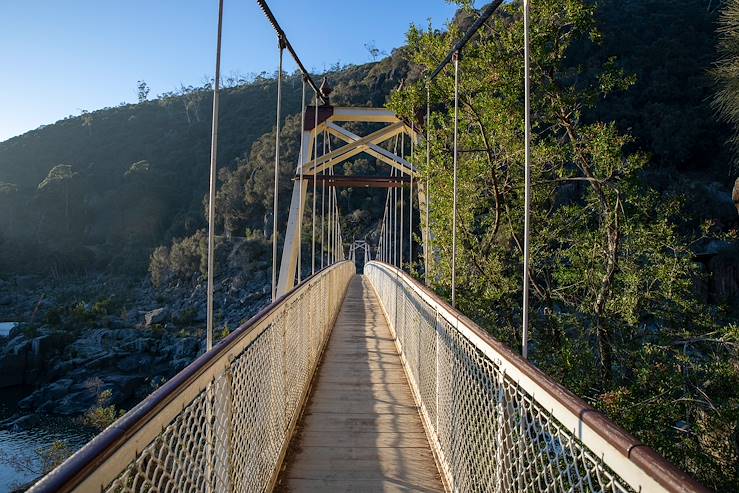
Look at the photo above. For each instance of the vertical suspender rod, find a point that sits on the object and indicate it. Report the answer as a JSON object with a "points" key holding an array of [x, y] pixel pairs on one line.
{"points": [[212, 188], [277, 174]]}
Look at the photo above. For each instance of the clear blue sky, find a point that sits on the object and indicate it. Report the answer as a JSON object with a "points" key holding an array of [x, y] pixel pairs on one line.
{"points": [[58, 58]]}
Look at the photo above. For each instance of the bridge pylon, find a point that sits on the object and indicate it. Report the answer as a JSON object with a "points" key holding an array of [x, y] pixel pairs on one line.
{"points": [[312, 165]]}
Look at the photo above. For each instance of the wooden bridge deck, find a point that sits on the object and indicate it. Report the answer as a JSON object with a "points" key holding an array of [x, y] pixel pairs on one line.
{"points": [[361, 431]]}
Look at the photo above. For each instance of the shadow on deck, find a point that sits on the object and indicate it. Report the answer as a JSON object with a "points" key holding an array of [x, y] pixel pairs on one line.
{"points": [[361, 430]]}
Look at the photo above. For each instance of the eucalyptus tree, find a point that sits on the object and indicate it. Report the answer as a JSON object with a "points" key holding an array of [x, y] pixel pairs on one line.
{"points": [[612, 279], [726, 71]]}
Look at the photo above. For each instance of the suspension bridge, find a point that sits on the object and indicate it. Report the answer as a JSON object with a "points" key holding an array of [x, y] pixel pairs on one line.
{"points": [[358, 377]]}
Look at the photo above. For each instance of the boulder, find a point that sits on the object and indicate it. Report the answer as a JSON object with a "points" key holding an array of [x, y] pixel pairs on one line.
{"points": [[74, 403], [123, 387], [134, 362], [44, 346], [15, 362], [156, 316], [43, 398], [735, 195], [24, 423]]}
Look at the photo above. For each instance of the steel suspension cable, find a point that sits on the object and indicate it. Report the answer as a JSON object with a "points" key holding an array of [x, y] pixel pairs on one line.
{"points": [[300, 198], [410, 209], [388, 238], [212, 187], [315, 175], [332, 198], [381, 244], [527, 173], [323, 207], [330, 223], [394, 237], [387, 226], [277, 173], [337, 229], [390, 224], [395, 172], [379, 236], [402, 200], [379, 241], [426, 241], [454, 206]]}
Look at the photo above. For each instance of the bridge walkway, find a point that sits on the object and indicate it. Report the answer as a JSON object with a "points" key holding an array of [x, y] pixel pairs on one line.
{"points": [[361, 430]]}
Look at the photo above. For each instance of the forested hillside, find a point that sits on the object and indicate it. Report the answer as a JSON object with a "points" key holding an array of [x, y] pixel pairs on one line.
{"points": [[110, 185]]}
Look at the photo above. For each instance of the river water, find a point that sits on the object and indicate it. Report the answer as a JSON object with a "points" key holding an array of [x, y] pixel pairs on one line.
{"points": [[6, 327], [19, 449]]}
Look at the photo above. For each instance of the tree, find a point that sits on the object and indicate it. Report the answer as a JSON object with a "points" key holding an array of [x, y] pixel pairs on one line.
{"points": [[103, 413], [87, 121], [373, 50], [57, 188], [726, 71], [143, 90], [612, 277]]}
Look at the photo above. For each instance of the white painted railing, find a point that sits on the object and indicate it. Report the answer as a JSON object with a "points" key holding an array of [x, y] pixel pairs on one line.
{"points": [[224, 423], [495, 422]]}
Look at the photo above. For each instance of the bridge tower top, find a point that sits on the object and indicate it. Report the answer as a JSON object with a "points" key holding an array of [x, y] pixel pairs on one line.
{"points": [[327, 120]]}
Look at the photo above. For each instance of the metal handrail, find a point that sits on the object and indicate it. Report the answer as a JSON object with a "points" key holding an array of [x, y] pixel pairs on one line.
{"points": [[634, 464], [93, 467]]}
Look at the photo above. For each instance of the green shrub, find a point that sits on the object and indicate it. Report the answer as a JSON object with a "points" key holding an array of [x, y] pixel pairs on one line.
{"points": [[103, 414]]}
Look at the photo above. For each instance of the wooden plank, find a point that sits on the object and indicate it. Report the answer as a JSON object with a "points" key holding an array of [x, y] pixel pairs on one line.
{"points": [[394, 393], [343, 406], [361, 454], [357, 486], [362, 422], [361, 430], [354, 469], [373, 439]]}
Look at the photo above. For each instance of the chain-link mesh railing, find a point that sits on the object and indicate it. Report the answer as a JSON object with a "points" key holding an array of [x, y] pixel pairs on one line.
{"points": [[497, 424], [224, 423]]}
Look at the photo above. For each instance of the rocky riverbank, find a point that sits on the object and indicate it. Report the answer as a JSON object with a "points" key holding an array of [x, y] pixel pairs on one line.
{"points": [[81, 336]]}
